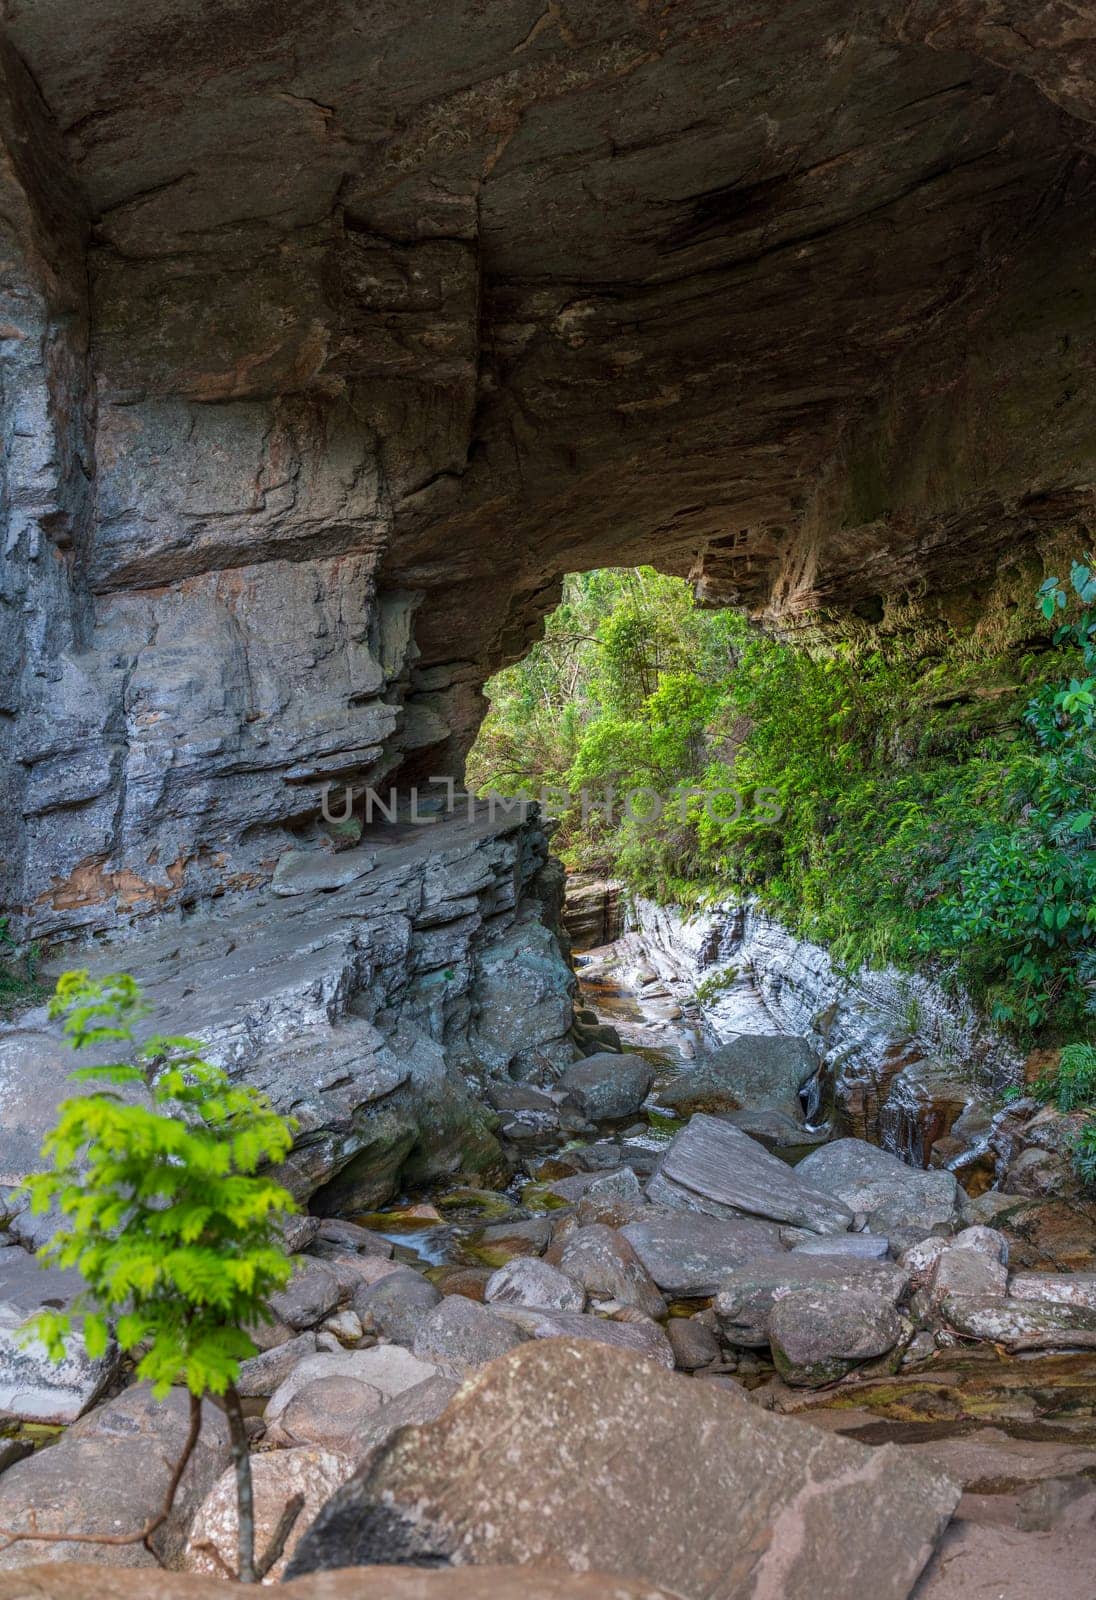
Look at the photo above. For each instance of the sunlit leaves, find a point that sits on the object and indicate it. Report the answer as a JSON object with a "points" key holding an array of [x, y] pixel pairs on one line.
{"points": [[164, 1210]]}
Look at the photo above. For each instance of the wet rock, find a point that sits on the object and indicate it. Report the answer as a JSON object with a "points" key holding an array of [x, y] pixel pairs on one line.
{"points": [[713, 1167], [388, 1369], [469, 1281], [459, 1335], [1023, 1324], [328, 1413], [861, 1246], [896, 1199], [818, 1336], [779, 1132], [503, 1240], [529, 1281], [395, 1307], [620, 1183], [39, 1390], [641, 1336], [606, 1087], [752, 1072], [731, 1479], [277, 1477], [310, 1294], [264, 1373], [350, 1236], [607, 1267], [693, 1343], [745, 1301], [1059, 1288], [688, 1255], [109, 1473]]}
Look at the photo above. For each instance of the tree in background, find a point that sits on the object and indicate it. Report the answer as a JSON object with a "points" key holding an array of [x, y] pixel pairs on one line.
{"points": [[919, 796]]}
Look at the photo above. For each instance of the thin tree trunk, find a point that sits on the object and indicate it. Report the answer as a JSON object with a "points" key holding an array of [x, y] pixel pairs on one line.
{"points": [[245, 1503]]}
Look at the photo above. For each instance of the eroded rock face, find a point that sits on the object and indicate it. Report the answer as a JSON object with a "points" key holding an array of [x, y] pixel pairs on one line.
{"points": [[363, 1010], [327, 355]]}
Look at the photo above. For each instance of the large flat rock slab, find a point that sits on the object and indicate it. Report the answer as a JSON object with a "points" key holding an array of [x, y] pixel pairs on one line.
{"points": [[690, 1254], [75, 1581], [572, 1455], [716, 1168]]}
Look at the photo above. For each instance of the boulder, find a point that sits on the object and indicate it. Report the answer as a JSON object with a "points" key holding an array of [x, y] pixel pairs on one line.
{"points": [[312, 1291], [277, 1477], [459, 1335], [895, 1198], [40, 1390], [639, 1334], [745, 1301], [606, 1087], [692, 1341], [345, 1325], [327, 1413], [388, 1369], [109, 1473], [967, 1272], [342, 1235], [1023, 1324], [77, 1581], [715, 1168], [529, 1281], [987, 1241], [752, 1072], [264, 1373], [499, 1243], [694, 1488], [395, 1307], [818, 1336], [688, 1255], [607, 1267], [421, 1403]]}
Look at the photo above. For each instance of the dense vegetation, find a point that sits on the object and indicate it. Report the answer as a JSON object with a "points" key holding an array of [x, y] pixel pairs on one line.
{"points": [[934, 781]]}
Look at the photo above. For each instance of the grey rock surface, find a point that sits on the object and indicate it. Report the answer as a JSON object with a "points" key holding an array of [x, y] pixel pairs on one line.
{"points": [[817, 1336], [395, 1307], [895, 1197], [742, 1505], [530, 1281], [109, 1473], [689, 1254], [604, 1263], [606, 1087], [713, 1167], [747, 1296], [459, 1335]]}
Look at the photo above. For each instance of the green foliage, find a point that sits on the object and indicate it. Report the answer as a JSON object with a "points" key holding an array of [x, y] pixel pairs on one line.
{"points": [[19, 986], [925, 799], [155, 1175]]}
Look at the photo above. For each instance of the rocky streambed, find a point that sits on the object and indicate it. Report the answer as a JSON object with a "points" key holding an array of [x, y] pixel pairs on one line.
{"points": [[584, 1287]]}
